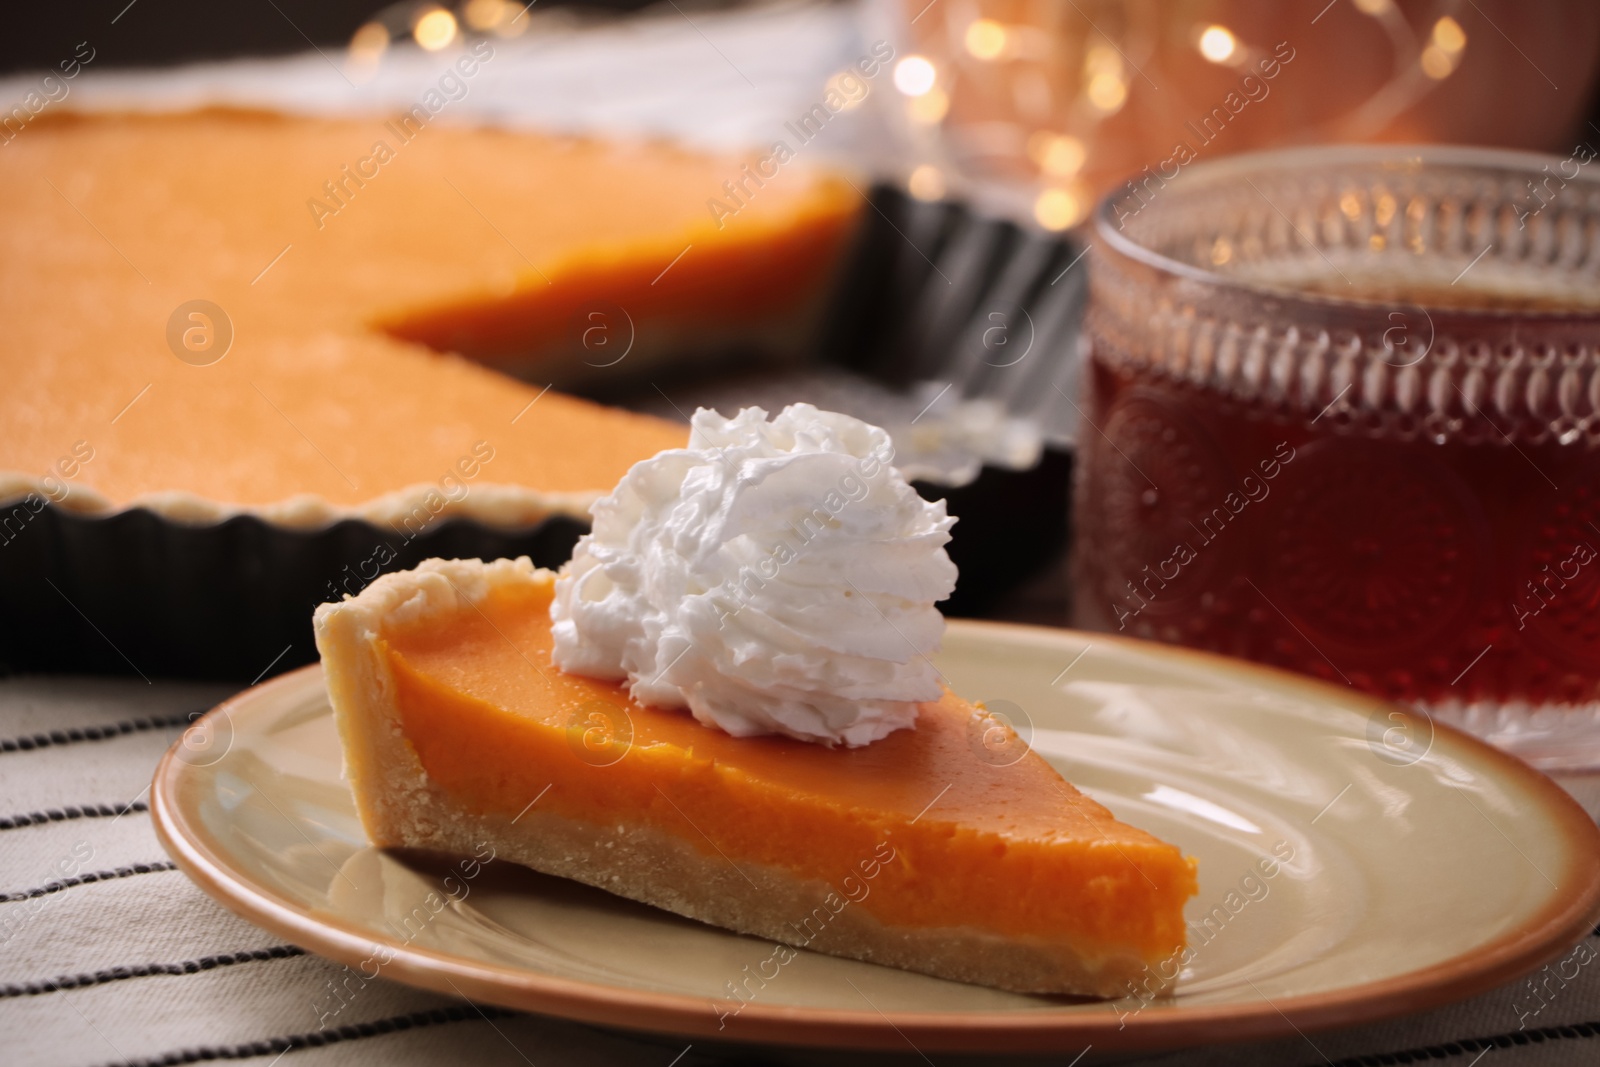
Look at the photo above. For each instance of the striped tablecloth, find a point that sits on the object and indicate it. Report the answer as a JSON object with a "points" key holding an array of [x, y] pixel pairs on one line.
{"points": [[108, 955]]}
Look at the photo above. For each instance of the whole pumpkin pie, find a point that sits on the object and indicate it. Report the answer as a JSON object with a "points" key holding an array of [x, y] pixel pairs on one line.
{"points": [[723, 707], [225, 312]]}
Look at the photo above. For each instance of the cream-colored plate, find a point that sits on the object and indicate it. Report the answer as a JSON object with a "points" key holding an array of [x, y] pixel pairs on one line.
{"points": [[1414, 866]]}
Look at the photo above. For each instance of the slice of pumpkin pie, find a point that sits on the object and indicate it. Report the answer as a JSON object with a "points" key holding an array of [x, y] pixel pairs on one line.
{"points": [[723, 707]]}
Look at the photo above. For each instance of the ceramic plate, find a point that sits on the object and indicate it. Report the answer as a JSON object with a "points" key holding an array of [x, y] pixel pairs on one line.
{"points": [[1355, 862]]}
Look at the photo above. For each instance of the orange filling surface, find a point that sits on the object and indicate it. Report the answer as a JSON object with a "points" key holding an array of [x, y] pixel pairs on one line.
{"points": [[344, 256], [1012, 849]]}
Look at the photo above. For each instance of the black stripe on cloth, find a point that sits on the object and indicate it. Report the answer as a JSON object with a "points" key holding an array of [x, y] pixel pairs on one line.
{"points": [[57, 738], [1469, 1045], [317, 1038], [87, 879], [145, 970], [88, 811]]}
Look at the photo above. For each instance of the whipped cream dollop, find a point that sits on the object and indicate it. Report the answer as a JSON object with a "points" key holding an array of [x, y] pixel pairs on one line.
{"points": [[773, 577]]}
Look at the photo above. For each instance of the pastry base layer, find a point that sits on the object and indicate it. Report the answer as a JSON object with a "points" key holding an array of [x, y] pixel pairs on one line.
{"points": [[641, 863]]}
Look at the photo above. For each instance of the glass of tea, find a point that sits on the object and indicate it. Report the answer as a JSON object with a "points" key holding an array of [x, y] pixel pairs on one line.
{"points": [[1343, 416]]}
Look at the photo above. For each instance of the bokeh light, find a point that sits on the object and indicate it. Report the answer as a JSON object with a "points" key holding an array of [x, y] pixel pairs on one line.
{"points": [[1217, 44], [1056, 209], [930, 107], [367, 46], [914, 75], [1058, 155], [986, 39], [1448, 35], [485, 15], [435, 29], [926, 182], [1107, 92]]}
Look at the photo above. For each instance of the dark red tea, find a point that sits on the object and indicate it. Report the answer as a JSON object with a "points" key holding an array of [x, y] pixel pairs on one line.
{"points": [[1404, 562]]}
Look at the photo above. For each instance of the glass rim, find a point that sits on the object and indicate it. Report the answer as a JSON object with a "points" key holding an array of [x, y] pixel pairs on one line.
{"points": [[1288, 160]]}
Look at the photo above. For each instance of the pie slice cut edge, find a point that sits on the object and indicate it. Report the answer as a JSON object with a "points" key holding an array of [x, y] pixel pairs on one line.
{"points": [[915, 851]]}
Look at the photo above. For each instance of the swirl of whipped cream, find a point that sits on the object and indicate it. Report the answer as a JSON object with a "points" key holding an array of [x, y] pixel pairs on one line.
{"points": [[781, 578]]}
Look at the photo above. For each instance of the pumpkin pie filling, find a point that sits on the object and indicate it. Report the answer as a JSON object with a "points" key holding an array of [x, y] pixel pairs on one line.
{"points": [[349, 292], [1013, 849]]}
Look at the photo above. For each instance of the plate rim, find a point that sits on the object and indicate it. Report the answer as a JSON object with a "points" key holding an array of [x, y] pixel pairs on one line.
{"points": [[1543, 936]]}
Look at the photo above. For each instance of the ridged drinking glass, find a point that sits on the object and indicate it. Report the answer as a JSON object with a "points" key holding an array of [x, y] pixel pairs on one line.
{"points": [[1345, 419]]}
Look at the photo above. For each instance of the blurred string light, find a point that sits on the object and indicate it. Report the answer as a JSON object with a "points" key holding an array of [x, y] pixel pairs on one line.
{"points": [[1443, 51], [930, 108], [366, 49], [986, 39], [1217, 44], [1108, 92], [432, 27], [1057, 155], [926, 182], [1007, 51], [501, 17], [915, 75], [1057, 208], [1448, 35], [1104, 85]]}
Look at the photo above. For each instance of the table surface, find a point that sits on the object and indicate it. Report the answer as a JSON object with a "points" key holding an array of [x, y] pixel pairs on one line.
{"points": [[110, 955]]}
